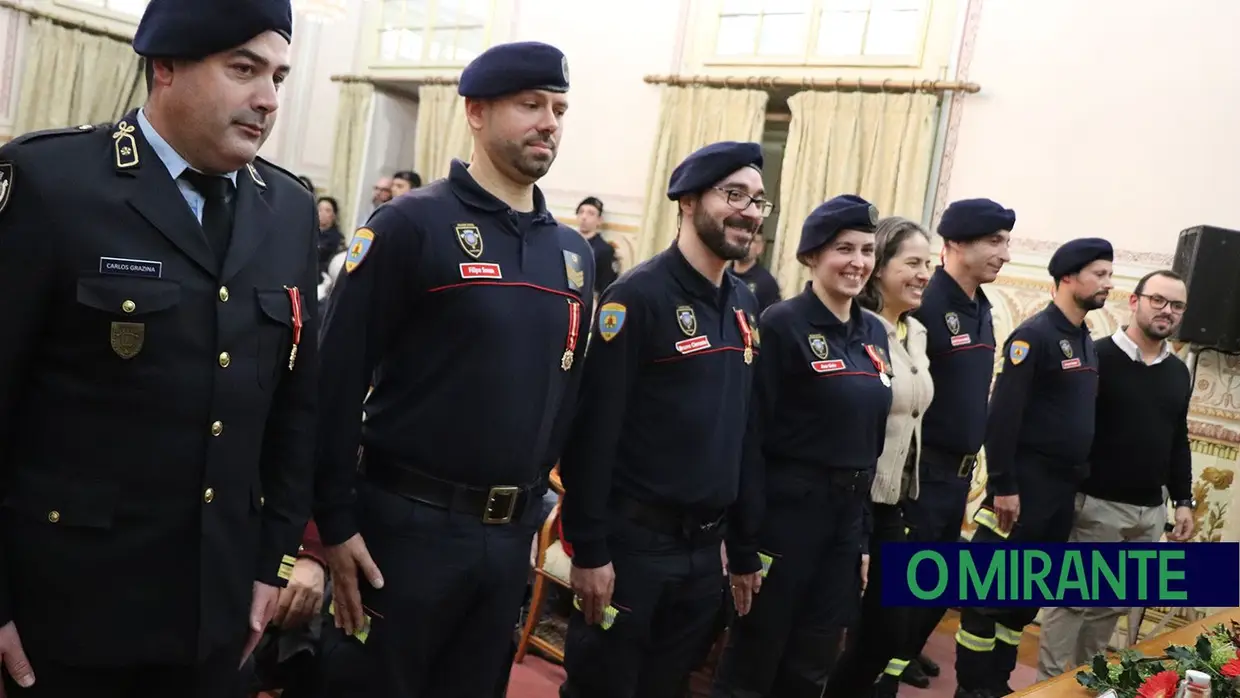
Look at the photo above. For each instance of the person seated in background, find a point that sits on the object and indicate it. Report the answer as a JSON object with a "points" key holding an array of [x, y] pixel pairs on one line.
{"points": [[404, 182]]}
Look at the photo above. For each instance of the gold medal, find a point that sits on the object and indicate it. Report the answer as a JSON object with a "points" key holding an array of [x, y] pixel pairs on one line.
{"points": [[748, 355], [566, 362]]}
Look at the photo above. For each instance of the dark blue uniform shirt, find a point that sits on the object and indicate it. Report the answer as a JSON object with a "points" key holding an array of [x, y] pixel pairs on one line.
{"points": [[762, 283], [960, 343], [461, 310], [1042, 409], [665, 399], [823, 396]]}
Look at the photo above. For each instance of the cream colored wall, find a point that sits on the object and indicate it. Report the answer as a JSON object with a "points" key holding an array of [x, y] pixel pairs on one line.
{"points": [[1107, 118], [305, 124]]}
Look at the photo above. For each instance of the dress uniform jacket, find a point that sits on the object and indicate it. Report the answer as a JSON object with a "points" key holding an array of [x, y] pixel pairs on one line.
{"points": [[156, 441]]}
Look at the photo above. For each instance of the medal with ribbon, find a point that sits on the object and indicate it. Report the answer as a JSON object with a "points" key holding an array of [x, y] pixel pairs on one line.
{"points": [[879, 364], [746, 334], [574, 328], [294, 297]]}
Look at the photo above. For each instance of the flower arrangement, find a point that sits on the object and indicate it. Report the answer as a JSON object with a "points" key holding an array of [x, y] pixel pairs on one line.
{"points": [[1138, 676]]}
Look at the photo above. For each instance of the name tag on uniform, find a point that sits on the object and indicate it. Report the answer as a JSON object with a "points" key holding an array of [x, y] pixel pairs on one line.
{"points": [[827, 366], [688, 346], [480, 271], [960, 340], [117, 266], [1070, 363]]}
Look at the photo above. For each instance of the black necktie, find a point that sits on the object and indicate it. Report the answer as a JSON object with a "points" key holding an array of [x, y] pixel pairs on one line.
{"points": [[217, 213]]}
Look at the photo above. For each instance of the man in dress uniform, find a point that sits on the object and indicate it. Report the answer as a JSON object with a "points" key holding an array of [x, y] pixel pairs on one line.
{"points": [[1038, 437], [960, 342], [654, 459], [158, 379], [464, 304]]}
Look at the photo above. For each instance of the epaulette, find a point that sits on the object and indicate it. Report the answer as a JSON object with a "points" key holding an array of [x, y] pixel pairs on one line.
{"points": [[293, 179], [49, 133]]}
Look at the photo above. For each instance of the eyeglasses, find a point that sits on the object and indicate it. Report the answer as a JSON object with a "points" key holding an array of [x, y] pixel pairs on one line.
{"points": [[740, 201], [1158, 303]]}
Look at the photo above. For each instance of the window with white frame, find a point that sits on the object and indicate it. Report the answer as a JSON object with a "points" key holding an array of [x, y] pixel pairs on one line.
{"points": [[432, 32], [127, 9], [820, 31]]}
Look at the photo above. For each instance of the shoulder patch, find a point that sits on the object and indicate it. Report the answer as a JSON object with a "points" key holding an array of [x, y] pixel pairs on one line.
{"points": [[6, 184], [610, 320], [358, 248], [1017, 352]]}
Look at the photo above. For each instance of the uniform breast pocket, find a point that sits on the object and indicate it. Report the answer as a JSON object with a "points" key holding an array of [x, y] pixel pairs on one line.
{"points": [[275, 334], [133, 308]]}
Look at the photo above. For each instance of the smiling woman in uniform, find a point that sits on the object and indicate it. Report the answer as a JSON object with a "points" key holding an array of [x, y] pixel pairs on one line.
{"points": [[823, 395], [902, 270]]}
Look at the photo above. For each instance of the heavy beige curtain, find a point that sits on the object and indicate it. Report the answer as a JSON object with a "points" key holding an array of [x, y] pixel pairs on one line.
{"points": [[349, 147], [442, 132], [691, 117], [877, 146], [73, 78]]}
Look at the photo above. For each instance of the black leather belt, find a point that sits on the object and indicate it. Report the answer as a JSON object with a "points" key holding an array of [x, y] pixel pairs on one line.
{"points": [[847, 479], [670, 521], [494, 505], [962, 463]]}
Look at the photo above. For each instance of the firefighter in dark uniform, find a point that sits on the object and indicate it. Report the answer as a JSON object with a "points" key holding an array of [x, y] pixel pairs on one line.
{"points": [[654, 461], [1038, 436], [463, 303], [156, 455], [960, 343], [823, 396]]}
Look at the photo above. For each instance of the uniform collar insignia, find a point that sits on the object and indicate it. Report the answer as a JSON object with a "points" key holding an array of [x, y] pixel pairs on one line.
{"points": [[258, 179], [125, 145]]}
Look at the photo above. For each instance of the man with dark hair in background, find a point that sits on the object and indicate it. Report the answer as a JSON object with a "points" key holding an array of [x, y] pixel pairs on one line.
{"points": [[1140, 447], [404, 182], [589, 224], [756, 276]]}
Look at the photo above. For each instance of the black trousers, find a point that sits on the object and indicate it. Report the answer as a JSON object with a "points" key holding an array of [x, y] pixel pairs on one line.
{"points": [[217, 677], [988, 638], [788, 644], [934, 517], [443, 622], [881, 642], [667, 596]]}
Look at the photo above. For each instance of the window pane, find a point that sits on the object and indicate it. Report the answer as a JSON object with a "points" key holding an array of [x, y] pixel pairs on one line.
{"points": [[736, 36], [782, 6], [893, 33], [410, 46], [896, 5], [393, 13], [846, 5], [783, 35], [129, 7], [468, 45], [441, 46], [841, 33], [474, 12], [447, 13], [740, 7], [389, 44]]}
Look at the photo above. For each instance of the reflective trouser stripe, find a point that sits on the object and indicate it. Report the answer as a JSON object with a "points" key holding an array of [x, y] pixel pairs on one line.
{"points": [[1006, 635], [973, 642], [895, 667]]}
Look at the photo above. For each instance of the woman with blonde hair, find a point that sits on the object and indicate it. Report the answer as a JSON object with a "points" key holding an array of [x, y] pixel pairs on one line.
{"points": [[902, 267]]}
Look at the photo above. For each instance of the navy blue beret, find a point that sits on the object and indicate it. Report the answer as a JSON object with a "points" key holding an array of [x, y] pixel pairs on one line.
{"points": [[846, 212], [970, 219], [1075, 255], [193, 29], [707, 165], [510, 68]]}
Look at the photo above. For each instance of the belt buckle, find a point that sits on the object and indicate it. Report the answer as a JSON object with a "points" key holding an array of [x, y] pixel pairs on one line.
{"points": [[501, 503], [966, 466]]}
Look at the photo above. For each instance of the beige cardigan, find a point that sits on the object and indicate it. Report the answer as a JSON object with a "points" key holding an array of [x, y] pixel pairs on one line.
{"points": [[912, 389]]}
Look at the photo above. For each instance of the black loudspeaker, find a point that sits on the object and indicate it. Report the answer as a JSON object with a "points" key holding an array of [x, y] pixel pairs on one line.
{"points": [[1209, 260]]}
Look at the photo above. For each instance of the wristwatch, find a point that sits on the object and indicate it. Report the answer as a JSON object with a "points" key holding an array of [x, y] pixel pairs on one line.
{"points": [[1184, 503]]}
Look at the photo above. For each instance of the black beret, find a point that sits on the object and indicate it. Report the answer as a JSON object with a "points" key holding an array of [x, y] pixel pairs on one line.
{"points": [[846, 212], [510, 68], [706, 166], [969, 219], [194, 29], [1075, 255]]}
